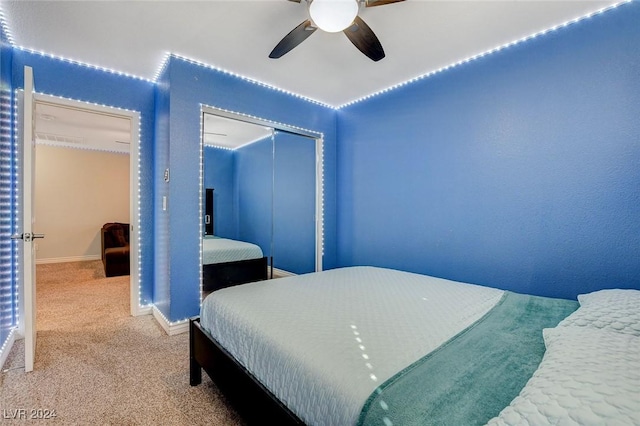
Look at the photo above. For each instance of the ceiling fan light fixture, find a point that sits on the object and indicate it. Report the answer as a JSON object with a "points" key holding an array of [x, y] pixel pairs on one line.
{"points": [[333, 15]]}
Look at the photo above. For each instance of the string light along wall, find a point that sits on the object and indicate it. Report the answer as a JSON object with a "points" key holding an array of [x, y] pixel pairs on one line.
{"points": [[5, 28], [7, 305], [81, 63], [249, 80], [168, 55], [486, 53], [17, 212], [200, 206]]}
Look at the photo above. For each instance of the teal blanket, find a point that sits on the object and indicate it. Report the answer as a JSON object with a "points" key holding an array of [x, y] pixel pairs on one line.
{"points": [[472, 377]]}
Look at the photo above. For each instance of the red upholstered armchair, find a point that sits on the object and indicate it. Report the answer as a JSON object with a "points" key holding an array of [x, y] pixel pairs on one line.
{"points": [[115, 249]]}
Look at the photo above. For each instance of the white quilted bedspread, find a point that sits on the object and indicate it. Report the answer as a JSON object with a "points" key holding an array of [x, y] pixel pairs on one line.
{"points": [[323, 342], [587, 377], [614, 310], [220, 250]]}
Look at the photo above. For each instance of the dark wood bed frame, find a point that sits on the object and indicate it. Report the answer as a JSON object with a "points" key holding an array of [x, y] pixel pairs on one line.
{"points": [[246, 394], [254, 402], [220, 275]]}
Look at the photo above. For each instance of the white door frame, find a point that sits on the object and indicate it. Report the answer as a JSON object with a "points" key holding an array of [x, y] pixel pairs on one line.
{"points": [[134, 185]]}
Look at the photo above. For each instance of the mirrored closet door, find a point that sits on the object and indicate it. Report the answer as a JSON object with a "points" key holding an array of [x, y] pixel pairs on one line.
{"points": [[294, 203], [260, 185]]}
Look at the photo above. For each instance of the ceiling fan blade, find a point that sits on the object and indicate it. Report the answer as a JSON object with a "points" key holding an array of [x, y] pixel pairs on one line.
{"points": [[294, 38], [364, 39], [298, 1], [371, 3]]}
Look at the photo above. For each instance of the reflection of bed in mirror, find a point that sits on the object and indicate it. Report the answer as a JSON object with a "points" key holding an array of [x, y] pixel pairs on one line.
{"points": [[227, 262]]}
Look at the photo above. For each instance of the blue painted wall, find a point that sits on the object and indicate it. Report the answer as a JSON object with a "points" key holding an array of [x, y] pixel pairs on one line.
{"points": [[253, 175], [294, 203], [218, 174], [520, 170], [61, 78], [190, 86], [161, 283], [7, 280]]}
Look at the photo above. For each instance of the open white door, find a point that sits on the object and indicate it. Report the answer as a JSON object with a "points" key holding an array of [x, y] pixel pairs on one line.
{"points": [[28, 294]]}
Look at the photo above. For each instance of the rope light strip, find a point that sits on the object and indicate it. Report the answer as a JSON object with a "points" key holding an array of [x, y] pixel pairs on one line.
{"points": [[485, 53], [168, 55]]}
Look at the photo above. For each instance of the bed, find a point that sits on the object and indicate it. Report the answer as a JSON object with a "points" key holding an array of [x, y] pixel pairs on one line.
{"points": [[227, 262], [373, 346]]}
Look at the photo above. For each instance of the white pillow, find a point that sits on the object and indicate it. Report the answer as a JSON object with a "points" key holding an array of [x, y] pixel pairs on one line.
{"points": [[586, 377], [614, 310], [615, 296]]}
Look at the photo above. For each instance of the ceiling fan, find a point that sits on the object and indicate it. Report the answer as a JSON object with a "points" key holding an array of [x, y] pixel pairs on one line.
{"points": [[335, 16]]}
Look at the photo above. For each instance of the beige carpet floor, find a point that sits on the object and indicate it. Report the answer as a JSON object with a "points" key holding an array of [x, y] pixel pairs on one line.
{"points": [[97, 365]]}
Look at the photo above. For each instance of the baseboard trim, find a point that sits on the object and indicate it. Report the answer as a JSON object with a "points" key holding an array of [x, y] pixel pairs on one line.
{"points": [[170, 328], [144, 310], [6, 347], [282, 273], [68, 259]]}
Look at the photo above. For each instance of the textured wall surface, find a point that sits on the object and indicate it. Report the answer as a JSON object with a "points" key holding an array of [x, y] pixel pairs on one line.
{"points": [[218, 174], [253, 175], [294, 244], [519, 170], [77, 191]]}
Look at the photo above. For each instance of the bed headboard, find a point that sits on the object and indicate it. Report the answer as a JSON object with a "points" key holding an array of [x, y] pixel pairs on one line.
{"points": [[208, 215]]}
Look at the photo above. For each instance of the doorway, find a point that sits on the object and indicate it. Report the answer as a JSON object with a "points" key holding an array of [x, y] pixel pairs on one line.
{"points": [[93, 134]]}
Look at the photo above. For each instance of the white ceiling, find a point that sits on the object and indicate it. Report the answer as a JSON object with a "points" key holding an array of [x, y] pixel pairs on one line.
{"points": [[237, 36], [231, 134], [64, 126]]}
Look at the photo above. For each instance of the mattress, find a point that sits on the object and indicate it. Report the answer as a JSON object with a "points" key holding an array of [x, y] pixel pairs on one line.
{"points": [[221, 250], [323, 343]]}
